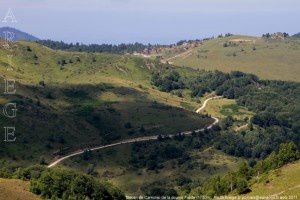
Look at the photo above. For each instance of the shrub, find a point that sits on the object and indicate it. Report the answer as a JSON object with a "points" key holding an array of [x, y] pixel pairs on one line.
{"points": [[66, 184]]}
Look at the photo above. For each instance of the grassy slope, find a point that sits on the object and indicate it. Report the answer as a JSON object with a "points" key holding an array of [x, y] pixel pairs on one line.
{"points": [[11, 189], [84, 103], [113, 165], [272, 59], [223, 107], [282, 182]]}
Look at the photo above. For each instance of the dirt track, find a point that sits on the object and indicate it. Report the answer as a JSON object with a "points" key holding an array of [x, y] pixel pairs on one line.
{"points": [[139, 139]]}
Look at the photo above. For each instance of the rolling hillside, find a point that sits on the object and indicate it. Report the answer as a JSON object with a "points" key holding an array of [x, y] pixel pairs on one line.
{"points": [[268, 58], [70, 101], [94, 95], [284, 182], [11, 189]]}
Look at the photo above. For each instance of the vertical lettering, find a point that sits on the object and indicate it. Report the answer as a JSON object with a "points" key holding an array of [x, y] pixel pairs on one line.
{"points": [[10, 134], [9, 16], [9, 58], [13, 110], [10, 86]]}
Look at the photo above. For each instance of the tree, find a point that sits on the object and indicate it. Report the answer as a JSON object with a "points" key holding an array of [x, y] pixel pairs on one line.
{"points": [[128, 125], [87, 154], [288, 153], [244, 170], [142, 129], [242, 186]]}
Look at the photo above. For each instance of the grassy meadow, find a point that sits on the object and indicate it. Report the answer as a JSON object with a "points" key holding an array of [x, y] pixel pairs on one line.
{"points": [[12, 189], [115, 166], [268, 58], [284, 182]]}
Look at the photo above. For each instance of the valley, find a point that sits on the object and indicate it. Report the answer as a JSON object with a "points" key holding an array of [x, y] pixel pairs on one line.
{"points": [[140, 139], [149, 100], [143, 125]]}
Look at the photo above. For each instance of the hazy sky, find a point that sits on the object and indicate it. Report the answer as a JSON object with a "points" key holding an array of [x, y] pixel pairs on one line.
{"points": [[150, 21]]}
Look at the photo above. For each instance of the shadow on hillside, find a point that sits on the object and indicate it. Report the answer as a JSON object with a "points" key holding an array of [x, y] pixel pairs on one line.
{"points": [[54, 118]]}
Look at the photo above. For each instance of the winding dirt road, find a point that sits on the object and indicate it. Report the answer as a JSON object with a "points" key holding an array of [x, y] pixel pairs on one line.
{"points": [[139, 139]]}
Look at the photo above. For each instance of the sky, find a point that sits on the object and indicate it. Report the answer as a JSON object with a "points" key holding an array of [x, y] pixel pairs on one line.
{"points": [[150, 21]]}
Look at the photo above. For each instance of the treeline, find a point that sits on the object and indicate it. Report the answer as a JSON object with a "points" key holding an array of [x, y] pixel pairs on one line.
{"points": [[62, 183], [276, 105], [270, 35], [120, 49], [168, 82], [241, 180], [155, 155]]}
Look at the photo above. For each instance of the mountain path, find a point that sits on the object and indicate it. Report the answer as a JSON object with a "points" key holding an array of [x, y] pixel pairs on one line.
{"points": [[139, 139], [184, 55]]}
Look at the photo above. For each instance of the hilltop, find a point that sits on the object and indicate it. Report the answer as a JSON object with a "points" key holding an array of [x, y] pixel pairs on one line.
{"points": [[273, 58], [18, 35]]}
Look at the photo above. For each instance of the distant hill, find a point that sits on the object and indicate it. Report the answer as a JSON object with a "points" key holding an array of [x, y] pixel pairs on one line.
{"points": [[273, 58], [18, 35], [297, 35]]}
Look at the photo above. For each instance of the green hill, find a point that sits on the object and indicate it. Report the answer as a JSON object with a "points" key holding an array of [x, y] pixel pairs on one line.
{"points": [[283, 182], [268, 58], [67, 101]]}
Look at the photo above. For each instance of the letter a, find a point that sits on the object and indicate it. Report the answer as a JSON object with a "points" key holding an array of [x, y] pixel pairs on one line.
{"points": [[9, 15]]}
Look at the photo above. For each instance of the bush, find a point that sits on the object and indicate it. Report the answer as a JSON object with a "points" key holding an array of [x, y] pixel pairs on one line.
{"points": [[128, 125], [65, 184]]}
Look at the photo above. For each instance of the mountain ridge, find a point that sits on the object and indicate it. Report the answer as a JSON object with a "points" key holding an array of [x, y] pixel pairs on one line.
{"points": [[17, 34], [297, 35]]}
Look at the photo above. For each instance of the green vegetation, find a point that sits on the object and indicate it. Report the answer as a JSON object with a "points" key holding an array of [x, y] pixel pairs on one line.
{"points": [[122, 48], [275, 104], [269, 58], [69, 101], [12, 189], [79, 100], [69, 185], [279, 182], [241, 180], [131, 171], [62, 183], [223, 108]]}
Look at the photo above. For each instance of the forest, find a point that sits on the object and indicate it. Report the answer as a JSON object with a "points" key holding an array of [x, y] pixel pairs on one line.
{"points": [[246, 175], [109, 48], [275, 104], [62, 183]]}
